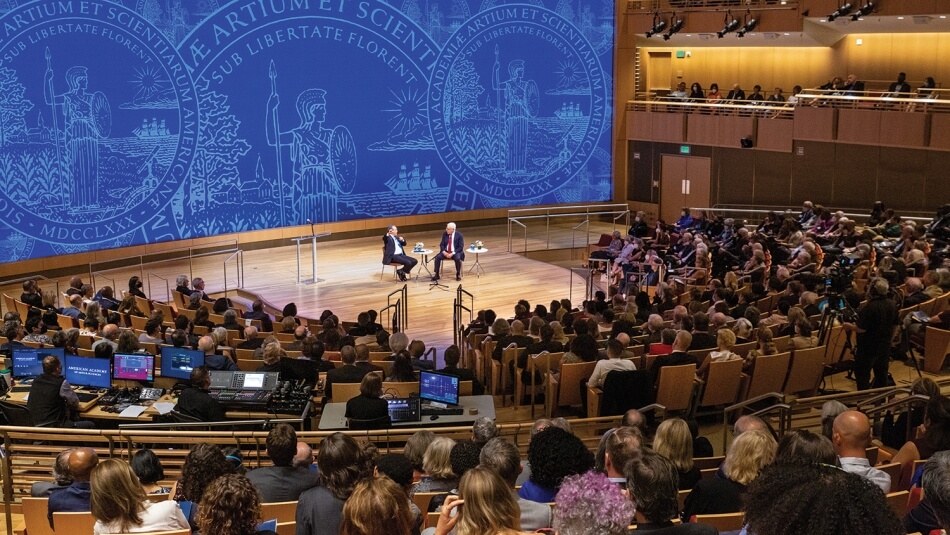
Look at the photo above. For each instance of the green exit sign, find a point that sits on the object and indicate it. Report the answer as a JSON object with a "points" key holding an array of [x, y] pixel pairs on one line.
{"points": [[684, 149]]}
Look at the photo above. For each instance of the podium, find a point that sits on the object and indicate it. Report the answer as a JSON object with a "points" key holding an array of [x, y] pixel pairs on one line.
{"points": [[313, 256]]}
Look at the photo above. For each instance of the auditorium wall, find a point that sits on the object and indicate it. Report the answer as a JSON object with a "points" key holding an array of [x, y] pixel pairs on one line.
{"points": [[136, 125]]}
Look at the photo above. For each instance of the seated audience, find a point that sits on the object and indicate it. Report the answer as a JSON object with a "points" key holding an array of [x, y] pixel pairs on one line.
{"points": [[590, 504], [816, 499], [231, 506], [674, 442], [452, 356], [851, 436], [614, 362], [119, 503], [932, 436], [652, 485], [489, 507], [281, 482], [149, 471], [554, 454], [749, 453], [415, 451], [402, 370], [195, 401], [342, 464], [376, 506], [398, 468], [75, 497], [368, 410], [61, 477], [502, 457], [437, 467]]}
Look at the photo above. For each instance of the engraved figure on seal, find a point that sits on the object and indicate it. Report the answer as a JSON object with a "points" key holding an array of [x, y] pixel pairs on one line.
{"points": [[519, 106], [87, 118], [324, 160]]}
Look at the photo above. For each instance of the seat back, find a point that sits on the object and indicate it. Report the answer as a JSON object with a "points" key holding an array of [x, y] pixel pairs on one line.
{"points": [[249, 365], [17, 415], [422, 499], [625, 390], [138, 322], [34, 516], [806, 370], [381, 422], [343, 392], [722, 383], [676, 386], [569, 392], [65, 322], [724, 522], [73, 523], [936, 347], [898, 501], [769, 374], [893, 470]]}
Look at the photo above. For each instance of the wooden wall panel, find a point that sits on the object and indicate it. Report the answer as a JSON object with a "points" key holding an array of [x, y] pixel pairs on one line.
{"points": [[669, 127], [703, 129], [940, 132], [859, 126], [639, 125], [855, 175], [900, 177], [733, 128], [905, 129], [734, 172], [936, 188], [813, 170], [640, 171], [814, 124], [774, 135], [773, 179]]}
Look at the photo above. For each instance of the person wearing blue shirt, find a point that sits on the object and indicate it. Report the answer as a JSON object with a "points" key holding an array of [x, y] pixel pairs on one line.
{"points": [[75, 497], [685, 220]]}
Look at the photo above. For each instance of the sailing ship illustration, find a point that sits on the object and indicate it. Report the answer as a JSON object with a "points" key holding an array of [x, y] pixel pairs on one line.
{"points": [[153, 128], [412, 180]]}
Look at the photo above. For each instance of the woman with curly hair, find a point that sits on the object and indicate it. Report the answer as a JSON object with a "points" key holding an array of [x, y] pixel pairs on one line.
{"points": [[377, 505], [553, 454], [230, 506], [749, 454], [815, 499], [489, 507], [342, 466], [590, 504], [120, 505], [204, 464]]}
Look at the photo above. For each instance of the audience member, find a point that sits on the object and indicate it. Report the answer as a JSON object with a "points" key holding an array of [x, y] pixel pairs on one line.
{"points": [[119, 504], [852, 435], [652, 485], [149, 471], [503, 458], [674, 442], [437, 467], [376, 506], [231, 506], [489, 507], [341, 466], [368, 410], [554, 454], [61, 477], [195, 401], [590, 504], [75, 497], [281, 482]]}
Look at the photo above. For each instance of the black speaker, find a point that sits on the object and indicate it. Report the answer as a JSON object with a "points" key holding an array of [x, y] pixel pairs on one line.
{"points": [[746, 143]]}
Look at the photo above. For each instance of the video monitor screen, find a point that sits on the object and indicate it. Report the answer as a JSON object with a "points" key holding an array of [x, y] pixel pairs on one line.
{"points": [[134, 367], [88, 371], [254, 380], [28, 361], [177, 362], [439, 387]]}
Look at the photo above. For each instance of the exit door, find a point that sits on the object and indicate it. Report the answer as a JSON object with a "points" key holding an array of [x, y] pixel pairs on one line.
{"points": [[684, 182]]}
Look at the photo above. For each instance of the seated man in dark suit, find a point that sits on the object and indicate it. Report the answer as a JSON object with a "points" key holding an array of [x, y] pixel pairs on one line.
{"points": [[517, 336], [282, 482], [394, 252], [251, 339], [195, 400], [214, 361], [347, 373], [257, 313], [452, 356], [452, 247], [701, 337], [74, 498], [677, 357]]}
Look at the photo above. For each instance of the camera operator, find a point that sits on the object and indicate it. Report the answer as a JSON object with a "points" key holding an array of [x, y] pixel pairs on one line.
{"points": [[875, 326]]}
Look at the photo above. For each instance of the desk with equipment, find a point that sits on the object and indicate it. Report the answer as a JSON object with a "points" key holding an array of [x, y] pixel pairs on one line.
{"points": [[438, 404], [108, 387]]}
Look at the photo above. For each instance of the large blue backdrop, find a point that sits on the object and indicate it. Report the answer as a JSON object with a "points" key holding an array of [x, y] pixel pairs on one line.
{"points": [[135, 121]]}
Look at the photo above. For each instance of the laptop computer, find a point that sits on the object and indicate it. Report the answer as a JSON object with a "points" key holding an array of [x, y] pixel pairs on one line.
{"points": [[404, 410]]}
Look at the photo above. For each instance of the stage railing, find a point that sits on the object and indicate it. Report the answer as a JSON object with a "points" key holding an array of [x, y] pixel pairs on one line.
{"points": [[458, 320], [238, 257], [587, 212], [398, 309]]}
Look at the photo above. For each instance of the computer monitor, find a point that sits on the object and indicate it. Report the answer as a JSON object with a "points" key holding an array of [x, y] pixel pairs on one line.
{"points": [[88, 371], [177, 362], [134, 367], [439, 387], [28, 361]]}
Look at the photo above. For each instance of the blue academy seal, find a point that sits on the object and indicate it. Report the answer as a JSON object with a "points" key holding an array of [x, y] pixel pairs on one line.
{"points": [[518, 102], [103, 128]]}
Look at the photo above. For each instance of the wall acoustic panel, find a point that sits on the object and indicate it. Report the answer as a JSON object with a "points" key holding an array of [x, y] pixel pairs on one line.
{"points": [[126, 122]]}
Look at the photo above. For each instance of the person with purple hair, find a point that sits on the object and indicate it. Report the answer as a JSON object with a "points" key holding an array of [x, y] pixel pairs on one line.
{"points": [[590, 504]]}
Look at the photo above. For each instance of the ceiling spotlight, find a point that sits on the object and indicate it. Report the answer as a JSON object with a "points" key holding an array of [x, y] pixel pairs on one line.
{"points": [[730, 27], [748, 27], [864, 11], [658, 26], [842, 11], [676, 27]]}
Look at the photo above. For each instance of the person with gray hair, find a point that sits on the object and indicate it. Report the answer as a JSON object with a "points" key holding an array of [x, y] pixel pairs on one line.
{"points": [[749, 423], [502, 457], [483, 430], [214, 361], [231, 322], [829, 411], [397, 342], [933, 513], [199, 287], [877, 319], [61, 477], [182, 285]]}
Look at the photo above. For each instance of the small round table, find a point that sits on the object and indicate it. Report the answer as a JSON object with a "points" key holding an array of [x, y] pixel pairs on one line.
{"points": [[477, 267], [425, 260]]}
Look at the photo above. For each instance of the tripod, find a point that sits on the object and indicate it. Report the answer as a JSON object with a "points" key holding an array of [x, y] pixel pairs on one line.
{"points": [[829, 316]]}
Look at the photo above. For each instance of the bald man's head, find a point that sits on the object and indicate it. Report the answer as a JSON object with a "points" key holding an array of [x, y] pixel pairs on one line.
{"points": [[749, 423], [81, 463], [851, 434], [206, 345], [304, 456], [110, 331]]}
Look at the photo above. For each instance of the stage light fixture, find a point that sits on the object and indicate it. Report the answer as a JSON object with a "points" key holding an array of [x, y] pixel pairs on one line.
{"points": [[676, 27], [730, 27], [842, 11], [658, 26], [864, 11], [748, 27]]}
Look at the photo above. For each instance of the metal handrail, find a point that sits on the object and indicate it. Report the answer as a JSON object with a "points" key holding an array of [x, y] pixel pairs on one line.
{"points": [[168, 288], [95, 286], [622, 214], [522, 225], [786, 413], [905, 404], [573, 234], [239, 269], [401, 307], [879, 397]]}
